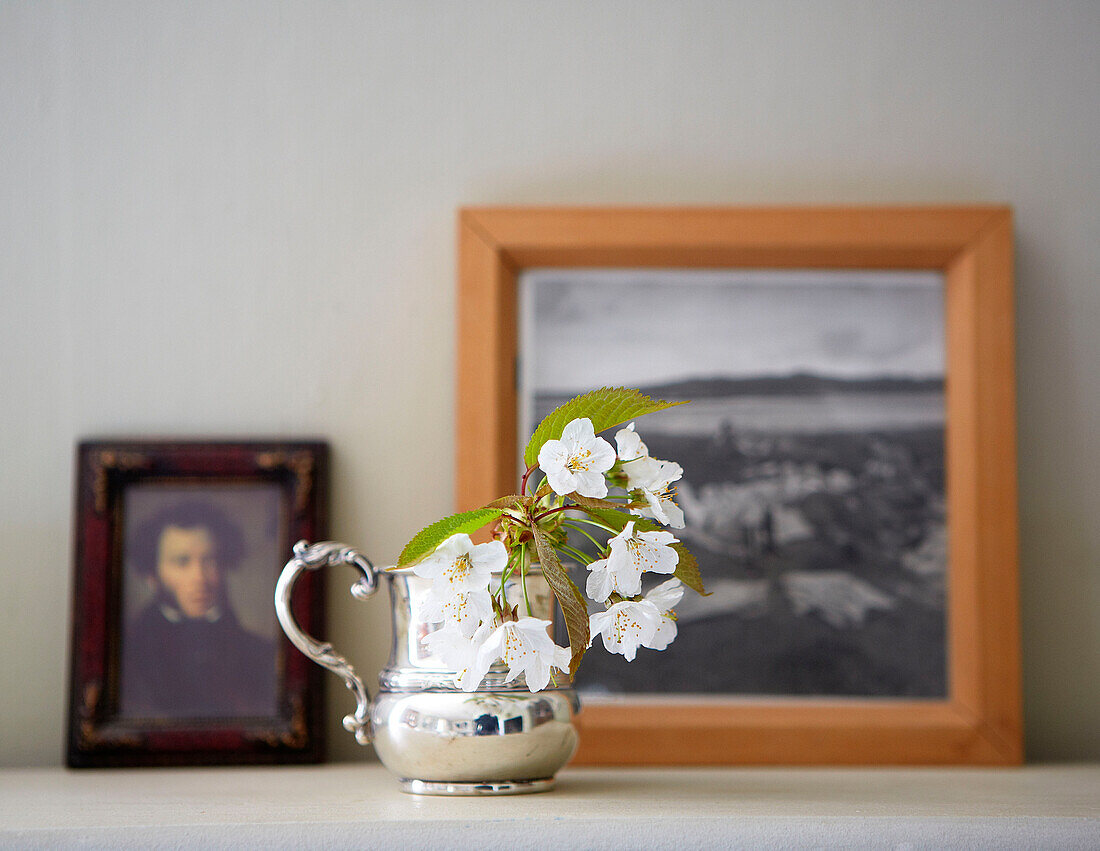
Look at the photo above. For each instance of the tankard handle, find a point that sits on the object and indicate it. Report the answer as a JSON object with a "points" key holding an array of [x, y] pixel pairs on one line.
{"points": [[312, 557]]}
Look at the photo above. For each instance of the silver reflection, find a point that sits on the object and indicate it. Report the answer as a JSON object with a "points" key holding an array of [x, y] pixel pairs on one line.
{"points": [[501, 739]]}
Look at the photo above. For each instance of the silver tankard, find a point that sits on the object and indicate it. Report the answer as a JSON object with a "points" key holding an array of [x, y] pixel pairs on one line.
{"points": [[439, 740]]}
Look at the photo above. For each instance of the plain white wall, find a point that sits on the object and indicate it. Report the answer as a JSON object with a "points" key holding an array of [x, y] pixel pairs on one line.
{"points": [[230, 218]]}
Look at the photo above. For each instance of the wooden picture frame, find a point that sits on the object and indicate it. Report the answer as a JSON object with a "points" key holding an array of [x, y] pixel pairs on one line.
{"points": [[170, 669], [980, 720]]}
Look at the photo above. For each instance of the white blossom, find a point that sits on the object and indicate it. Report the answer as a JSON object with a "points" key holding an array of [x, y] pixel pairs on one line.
{"points": [[461, 653], [601, 581], [459, 565], [626, 626], [652, 477], [577, 462], [526, 648], [633, 553], [463, 609], [630, 444], [664, 597]]}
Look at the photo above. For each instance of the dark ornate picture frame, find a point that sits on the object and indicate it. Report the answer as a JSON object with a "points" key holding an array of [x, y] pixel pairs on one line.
{"points": [[293, 474]]}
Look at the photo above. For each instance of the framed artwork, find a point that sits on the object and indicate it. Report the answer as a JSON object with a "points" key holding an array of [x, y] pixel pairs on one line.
{"points": [[849, 464], [176, 654]]}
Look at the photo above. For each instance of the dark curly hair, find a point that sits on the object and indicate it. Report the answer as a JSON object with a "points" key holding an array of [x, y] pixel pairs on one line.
{"points": [[144, 540]]}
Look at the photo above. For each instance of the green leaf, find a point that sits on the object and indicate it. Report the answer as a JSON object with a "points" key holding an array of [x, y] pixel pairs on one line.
{"points": [[687, 568], [592, 502], [569, 597], [427, 539], [512, 501], [606, 407]]}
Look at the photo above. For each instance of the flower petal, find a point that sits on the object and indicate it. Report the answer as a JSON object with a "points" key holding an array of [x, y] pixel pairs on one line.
{"points": [[602, 458], [629, 444], [663, 636], [553, 455], [674, 513], [601, 582], [491, 557], [597, 624], [562, 481], [537, 674], [579, 430], [591, 484], [666, 595]]}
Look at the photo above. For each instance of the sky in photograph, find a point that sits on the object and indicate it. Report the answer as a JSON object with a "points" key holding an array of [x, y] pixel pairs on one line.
{"points": [[583, 328]]}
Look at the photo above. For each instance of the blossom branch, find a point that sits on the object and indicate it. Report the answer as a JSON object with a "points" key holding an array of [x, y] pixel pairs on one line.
{"points": [[550, 511], [480, 627], [526, 475]]}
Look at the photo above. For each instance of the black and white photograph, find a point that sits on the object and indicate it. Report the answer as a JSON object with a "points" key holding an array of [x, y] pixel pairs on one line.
{"points": [[813, 458], [198, 636]]}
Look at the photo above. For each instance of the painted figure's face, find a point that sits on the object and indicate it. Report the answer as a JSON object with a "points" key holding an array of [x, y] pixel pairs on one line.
{"points": [[187, 567]]}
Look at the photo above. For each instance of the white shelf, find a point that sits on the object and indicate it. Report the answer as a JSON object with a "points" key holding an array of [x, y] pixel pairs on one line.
{"points": [[358, 805]]}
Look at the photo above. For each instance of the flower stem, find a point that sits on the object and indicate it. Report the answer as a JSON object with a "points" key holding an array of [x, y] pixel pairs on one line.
{"points": [[600, 547], [523, 482], [508, 570], [577, 554], [597, 524], [523, 581], [550, 511]]}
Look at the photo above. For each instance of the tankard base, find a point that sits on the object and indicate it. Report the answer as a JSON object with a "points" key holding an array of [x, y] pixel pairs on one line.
{"points": [[495, 787]]}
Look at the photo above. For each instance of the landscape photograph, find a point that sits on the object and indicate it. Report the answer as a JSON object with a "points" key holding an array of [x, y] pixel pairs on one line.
{"points": [[813, 458]]}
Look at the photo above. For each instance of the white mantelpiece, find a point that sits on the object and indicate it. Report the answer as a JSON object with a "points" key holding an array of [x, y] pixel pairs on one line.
{"points": [[358, 805]]}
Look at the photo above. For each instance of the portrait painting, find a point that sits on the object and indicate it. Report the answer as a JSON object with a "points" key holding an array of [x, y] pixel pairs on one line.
{"points": [[813, 465], [177, 655], [198, 639]]}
